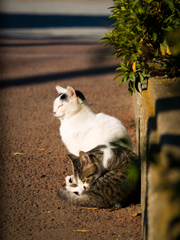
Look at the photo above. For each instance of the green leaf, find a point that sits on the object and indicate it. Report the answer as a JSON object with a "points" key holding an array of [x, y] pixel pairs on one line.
{"points": [[125, 79], [104, 40], [122, 64], [142, 79], [134, 3], [156, 52], [154, 36], [169, 18], [141, 10], [132, 86], [119, 74], [170, 3], [134, 57], [124, 68], [130, 91], [139, 51], [119, 69], [168, 29], [148, 74], [144, 72], [132, 76], [120, 81], [108, 35], [164, 65], [163, 49]]}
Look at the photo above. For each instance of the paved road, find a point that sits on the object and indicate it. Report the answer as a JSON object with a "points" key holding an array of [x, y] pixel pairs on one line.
{"points": [[34, 159]]}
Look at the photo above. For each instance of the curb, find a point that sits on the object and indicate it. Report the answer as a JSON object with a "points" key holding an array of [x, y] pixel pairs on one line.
{"points": [[157, 114]]}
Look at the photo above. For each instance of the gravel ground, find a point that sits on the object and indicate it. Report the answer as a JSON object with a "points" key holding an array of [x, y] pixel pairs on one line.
{"points": [[34, 160]]}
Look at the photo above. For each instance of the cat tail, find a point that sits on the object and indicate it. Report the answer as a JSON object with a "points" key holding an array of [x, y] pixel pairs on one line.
{"points": [[83, 200]]}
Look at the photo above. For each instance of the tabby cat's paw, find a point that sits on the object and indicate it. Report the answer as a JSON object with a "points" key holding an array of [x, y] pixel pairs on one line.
{"points": [[69, 180]]}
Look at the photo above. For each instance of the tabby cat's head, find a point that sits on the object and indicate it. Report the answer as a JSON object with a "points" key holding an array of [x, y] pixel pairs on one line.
{"points": [[85, 169], [68, 102]]}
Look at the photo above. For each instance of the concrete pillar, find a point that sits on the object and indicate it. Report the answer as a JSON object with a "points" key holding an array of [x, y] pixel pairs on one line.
{"points": [[158, 136]]}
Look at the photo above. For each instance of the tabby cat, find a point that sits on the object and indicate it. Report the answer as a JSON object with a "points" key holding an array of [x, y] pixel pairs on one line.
{"points": [[108, 176]]}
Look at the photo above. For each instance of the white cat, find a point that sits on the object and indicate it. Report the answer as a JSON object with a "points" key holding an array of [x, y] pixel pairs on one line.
{"points": [[81, 129]]}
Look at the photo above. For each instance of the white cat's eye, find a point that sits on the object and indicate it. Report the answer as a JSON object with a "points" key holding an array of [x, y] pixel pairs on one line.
{"points": [[57, 108], [60, 105]]}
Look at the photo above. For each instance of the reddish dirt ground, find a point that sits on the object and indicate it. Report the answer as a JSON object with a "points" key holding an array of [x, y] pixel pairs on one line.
{"points": [[34, 160]]}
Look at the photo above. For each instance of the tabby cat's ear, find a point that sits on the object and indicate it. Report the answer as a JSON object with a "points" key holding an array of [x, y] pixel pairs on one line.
{"points": [[85, 159], [60, 89], [72, 157], [71, 92]]}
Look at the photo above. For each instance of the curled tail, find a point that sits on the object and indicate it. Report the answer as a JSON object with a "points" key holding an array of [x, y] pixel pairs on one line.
{"points": [[84, 200], [81, 200]]}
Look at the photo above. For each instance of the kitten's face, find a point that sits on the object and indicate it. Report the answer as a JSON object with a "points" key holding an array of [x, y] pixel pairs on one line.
{"points": [[67, 103], [88, 176], [85, 170]]}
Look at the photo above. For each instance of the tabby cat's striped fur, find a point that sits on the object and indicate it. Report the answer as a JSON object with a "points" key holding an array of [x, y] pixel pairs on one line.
{"points": [[107, 176]]}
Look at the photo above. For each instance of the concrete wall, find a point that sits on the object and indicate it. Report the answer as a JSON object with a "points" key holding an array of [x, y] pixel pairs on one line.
{"points": [[157, 114]]}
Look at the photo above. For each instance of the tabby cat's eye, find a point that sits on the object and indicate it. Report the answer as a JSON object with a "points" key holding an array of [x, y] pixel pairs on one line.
{"points": [[91, 175]]}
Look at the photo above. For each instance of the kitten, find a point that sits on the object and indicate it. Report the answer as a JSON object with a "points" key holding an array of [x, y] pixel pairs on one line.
{"points": [[108, 176], [81, 129]]}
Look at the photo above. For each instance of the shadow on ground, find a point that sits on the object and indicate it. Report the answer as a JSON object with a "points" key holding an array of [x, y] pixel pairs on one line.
{"points": [[28, 21]]}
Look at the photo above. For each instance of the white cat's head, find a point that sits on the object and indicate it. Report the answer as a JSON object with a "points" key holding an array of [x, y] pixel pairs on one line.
{"points": [[68, 102]]}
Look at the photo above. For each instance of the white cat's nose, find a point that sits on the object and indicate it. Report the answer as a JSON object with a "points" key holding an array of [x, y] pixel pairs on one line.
{"points": [[54, 112]]}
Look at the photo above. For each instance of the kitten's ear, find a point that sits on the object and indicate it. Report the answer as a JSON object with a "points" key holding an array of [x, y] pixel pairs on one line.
{"points": [[72, 157], [71, 92], [85, 159], [60, 89]]}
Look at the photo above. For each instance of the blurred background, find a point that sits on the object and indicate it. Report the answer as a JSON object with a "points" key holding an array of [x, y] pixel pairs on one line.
{"points": [[78, 19]]}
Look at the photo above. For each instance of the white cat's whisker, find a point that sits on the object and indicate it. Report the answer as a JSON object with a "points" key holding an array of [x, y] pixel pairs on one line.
{"points": [[51, 96], [52, 118]]}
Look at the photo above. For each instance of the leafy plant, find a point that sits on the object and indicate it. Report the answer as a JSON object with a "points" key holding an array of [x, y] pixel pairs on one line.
{"points": [[146, 36]]}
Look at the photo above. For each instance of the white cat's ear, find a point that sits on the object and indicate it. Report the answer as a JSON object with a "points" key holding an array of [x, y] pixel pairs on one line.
{"points": [[85, 159], [71, 92], [60, 89]]}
